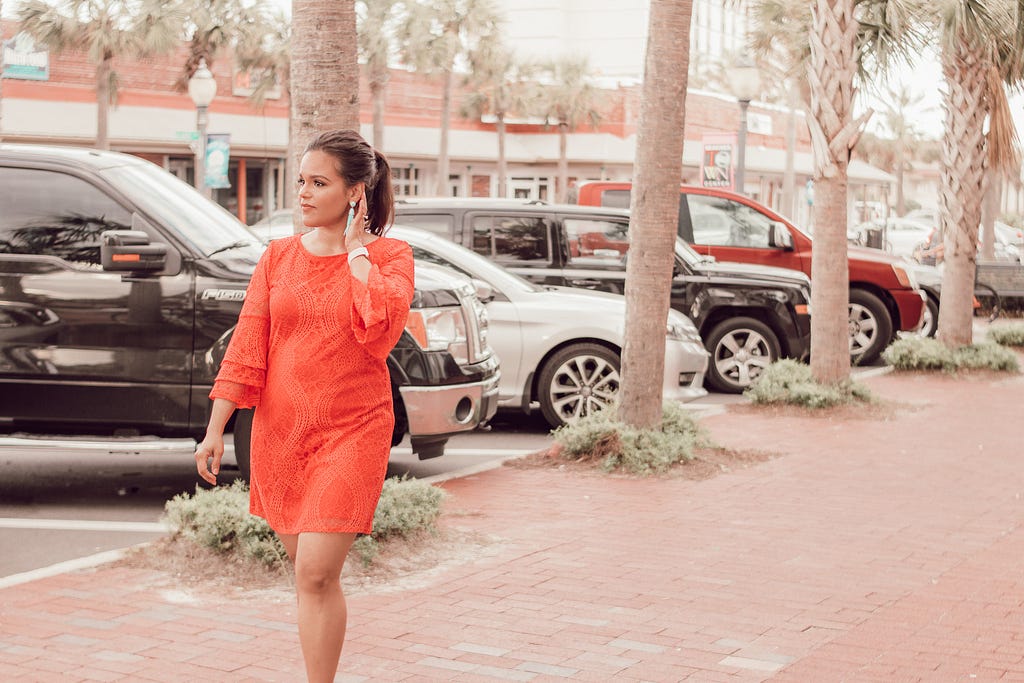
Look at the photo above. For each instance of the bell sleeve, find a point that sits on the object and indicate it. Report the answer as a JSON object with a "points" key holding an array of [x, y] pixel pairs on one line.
{"points": [[243, 371], [380, 306]]}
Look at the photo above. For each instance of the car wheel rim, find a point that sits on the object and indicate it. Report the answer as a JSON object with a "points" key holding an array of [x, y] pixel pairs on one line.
{"points": [[863, 329], [741, 356], [583, 385], [927, 322]]}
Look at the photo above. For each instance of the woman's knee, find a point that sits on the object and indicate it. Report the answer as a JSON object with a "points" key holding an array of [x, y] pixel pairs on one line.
{"points": [[316, 577]]}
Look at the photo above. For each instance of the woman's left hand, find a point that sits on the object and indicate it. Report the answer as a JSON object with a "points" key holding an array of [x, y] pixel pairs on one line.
{"points": [[356, 236]]}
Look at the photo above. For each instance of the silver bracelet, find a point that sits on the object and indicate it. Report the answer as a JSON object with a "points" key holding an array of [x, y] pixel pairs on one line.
{"points": [[356, 253]]}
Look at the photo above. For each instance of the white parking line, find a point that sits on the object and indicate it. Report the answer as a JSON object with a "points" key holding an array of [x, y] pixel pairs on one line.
{"points": [[81, 525]]}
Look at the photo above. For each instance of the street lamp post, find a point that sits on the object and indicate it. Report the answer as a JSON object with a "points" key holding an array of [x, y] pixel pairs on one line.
{"points": [[745, 81], [202, 88]]}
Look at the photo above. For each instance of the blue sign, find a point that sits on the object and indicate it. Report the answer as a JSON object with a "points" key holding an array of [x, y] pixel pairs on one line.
{"points": [[218, 154], [23, 59]]}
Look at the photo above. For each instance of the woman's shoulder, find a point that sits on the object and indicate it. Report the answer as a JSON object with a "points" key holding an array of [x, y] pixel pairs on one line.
{"points": [[391, 247]]}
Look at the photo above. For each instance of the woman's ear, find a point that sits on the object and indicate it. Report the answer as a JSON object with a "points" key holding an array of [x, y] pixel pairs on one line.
{"points": [[355, 193]]}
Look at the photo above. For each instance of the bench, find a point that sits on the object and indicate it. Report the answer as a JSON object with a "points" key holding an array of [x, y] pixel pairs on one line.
{"points": [[1003, 276]]}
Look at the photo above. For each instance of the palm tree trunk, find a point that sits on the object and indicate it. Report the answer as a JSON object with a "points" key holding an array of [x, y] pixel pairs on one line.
{"points": [[901, 162], [963, 175], [378, 90], [324, 73], [502, 161], [989, 214], [655, 204], [103, 70], [833, 66], [562, 191], [446, 119]]}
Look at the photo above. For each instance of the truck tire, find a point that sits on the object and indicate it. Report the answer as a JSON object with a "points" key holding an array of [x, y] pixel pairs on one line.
{"points": [[578, 380], [930, 320], [870, 327], [741, 348], [242, 434]]}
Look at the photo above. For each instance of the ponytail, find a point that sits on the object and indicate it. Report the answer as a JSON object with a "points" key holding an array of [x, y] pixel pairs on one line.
{"points": [[381, 197]]}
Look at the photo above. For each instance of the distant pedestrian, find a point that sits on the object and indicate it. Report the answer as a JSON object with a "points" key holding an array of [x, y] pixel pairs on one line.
{"points": [[322, 312]]}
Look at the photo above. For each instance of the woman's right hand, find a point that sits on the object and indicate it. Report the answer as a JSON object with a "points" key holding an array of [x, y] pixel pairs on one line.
{"points": [[208, 454]]}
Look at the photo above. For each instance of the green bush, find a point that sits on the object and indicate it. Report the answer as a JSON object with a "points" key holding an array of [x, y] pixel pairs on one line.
{"points": [[1007, 334], [917, 353], [219, 519], [601, 437], [791, 382]]}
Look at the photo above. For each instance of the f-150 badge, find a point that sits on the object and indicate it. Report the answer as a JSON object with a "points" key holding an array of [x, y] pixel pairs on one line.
{"points": [[223, 294]]}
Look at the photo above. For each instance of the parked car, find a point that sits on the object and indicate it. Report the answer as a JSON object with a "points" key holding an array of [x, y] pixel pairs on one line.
{"points": [[884, 298], [120, 286], [560, 347], [748, 316], [898, 236]]}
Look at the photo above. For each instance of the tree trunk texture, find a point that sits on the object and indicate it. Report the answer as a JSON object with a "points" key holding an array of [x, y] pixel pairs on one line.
{"points": [[901, 162], [446, 122], [324, 74], [655, 210], [562, 191], [963, 176], [833, 132], [502, 161], [103, 71]]}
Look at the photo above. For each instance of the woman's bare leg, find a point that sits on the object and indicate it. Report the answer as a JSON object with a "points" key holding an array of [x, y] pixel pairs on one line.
{"points": [[322, 612]]}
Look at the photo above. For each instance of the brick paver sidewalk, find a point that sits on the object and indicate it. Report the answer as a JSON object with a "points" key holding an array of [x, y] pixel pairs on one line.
{"points": [[869, 550]]}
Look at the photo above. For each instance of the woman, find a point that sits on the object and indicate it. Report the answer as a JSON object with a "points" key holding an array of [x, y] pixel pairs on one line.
{"points": [[321, 314]]}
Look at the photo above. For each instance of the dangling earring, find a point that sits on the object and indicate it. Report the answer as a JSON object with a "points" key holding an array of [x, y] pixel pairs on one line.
{"points": [[351, 214]]}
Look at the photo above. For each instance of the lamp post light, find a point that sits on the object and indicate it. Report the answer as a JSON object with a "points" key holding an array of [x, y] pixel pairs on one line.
{"points": [[745, 81], [202, 88]]}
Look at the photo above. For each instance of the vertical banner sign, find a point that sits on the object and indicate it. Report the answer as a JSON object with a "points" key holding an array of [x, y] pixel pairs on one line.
{"points": [[716, 166], [218, 153], [23, 59]]}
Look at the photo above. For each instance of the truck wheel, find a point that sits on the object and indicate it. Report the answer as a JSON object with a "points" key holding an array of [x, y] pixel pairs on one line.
{"points": [[870, 327], [741, 348], [242, 434], [930, 320], [578, 380]]}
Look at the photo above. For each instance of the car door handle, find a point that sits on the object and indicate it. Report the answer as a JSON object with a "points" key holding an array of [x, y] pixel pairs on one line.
{"points": [[584, 282]]}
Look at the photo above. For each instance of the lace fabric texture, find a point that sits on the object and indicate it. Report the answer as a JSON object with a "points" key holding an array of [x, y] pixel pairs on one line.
{"points": [[309, 352]]}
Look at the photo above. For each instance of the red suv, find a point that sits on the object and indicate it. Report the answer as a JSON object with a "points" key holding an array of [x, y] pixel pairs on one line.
{"points": [[884, 297]]}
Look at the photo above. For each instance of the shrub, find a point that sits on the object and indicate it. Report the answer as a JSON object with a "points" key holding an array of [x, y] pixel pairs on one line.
{"points": [[1009, 334], [219, 519], [791, 382], [601, 437], [917, 353]]}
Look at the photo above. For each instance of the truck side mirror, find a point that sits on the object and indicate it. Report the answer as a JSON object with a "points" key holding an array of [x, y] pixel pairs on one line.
{"points": [[779, 236], [484, 291], [130, 250]]}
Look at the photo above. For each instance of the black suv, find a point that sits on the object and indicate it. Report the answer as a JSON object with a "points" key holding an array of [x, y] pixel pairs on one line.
{"points": [[120, 286], [748, 316]]}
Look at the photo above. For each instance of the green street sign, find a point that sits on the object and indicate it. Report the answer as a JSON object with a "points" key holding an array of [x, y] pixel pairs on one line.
{"points": [[191, 135]]}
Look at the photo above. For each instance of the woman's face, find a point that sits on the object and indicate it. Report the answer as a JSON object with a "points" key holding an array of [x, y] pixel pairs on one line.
{"points": [[323, 194]]}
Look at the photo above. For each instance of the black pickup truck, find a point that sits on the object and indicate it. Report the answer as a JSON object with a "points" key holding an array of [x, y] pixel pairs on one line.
{"points": [[748, 315], [120, 286]]}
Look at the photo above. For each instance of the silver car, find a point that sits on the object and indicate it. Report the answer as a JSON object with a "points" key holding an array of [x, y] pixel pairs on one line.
{"points": [[560, 347]]}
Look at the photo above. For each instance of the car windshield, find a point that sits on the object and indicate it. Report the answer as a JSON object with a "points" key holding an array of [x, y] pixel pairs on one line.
{"points": [[447, 253], [203, 223]]}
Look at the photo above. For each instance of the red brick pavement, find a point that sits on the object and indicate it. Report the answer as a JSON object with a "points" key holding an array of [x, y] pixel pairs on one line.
{"points": [[883, 549]]}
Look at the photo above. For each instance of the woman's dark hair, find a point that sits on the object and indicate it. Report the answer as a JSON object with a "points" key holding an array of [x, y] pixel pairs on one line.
{"points": [[358, 162]]}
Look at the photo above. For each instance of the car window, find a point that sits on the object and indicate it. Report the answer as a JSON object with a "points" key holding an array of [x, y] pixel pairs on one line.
{"points": [[723, 222], [56, 214], [439, 224], [595, 242], [512, 239], [617, 199]]}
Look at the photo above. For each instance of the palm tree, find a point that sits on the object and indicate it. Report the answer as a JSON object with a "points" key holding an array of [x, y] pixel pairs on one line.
{"points": [[898, 121], [375, 46], [568, 99], [499, 84], [655, 210], [980, 52], [435, 36], [324, 72], [269, 60], [105, 30]]}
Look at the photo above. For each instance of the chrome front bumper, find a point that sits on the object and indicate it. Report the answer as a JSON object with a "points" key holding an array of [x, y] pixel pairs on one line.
{"points": [[450, 409], [685, 365]]}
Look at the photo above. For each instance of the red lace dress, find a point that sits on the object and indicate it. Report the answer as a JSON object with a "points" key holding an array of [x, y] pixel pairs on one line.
{"points": [[309, 352]]}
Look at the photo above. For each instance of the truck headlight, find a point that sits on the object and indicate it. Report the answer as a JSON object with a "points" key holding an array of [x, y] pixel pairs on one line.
{"points": [[440, 329], [681, 328], [905, 277]]}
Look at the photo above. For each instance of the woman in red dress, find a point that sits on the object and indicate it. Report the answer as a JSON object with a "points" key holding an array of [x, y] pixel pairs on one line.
{"points": [[321, 314]]}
